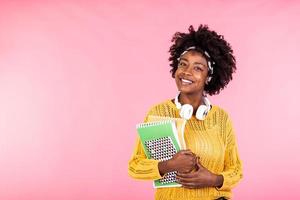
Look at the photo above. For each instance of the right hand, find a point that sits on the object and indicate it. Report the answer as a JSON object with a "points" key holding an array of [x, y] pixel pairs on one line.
{"points": [[183, 161]]}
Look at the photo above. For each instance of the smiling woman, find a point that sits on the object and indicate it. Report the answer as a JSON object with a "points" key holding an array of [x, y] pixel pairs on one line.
{"points": [[202, 63], [192, 73]]}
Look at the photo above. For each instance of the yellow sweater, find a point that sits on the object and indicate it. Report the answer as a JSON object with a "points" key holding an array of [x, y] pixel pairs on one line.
{"points": [[213, 140]]}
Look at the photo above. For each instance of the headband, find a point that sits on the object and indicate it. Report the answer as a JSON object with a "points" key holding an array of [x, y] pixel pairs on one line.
{"points": [[210, 63]]}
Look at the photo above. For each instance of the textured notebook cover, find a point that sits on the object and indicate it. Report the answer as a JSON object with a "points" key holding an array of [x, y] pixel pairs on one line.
{"points": [[180, 125], [160, 142]]}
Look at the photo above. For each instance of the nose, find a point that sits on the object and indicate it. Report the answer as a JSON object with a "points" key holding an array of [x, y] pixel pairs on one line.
{"points": [[188, 70], [187, 73]]}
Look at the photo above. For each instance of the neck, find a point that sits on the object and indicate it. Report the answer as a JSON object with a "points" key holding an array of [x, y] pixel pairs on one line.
{"points": [[193, 99]]}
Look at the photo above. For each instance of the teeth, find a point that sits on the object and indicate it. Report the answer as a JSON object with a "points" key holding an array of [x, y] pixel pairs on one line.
{"points": [[186, 81]]}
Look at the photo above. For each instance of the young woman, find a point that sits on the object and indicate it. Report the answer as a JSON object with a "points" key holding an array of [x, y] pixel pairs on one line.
{"points": [[202, 62]]}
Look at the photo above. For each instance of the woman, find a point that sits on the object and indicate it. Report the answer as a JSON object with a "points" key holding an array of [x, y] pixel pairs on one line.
{"points": [[202, 62]]}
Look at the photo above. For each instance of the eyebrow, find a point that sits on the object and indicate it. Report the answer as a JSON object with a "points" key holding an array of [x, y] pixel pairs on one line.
{"points": [[194, 63]]}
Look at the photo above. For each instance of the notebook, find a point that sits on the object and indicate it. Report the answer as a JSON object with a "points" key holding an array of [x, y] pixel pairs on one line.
{"points": [[160, 142], [180, 125]]}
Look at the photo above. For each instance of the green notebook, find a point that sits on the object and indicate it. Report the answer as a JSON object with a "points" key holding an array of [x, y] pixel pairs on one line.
{"points": [[160, 142]]}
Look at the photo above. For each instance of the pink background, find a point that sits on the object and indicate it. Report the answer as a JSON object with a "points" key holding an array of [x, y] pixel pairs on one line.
{"points": [[75, 78]]}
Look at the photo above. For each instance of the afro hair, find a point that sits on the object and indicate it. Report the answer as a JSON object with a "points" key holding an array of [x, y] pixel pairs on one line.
{"points": [[220, 51]]}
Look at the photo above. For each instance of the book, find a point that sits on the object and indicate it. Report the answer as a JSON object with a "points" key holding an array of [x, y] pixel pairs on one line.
{"points": [[180, 125], [160, 141]]}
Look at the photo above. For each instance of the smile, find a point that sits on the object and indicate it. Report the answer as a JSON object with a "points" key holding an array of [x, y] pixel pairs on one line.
{"points": [[186, 82]]}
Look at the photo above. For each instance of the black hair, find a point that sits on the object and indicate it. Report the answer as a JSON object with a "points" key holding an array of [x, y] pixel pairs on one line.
{"points": [[215, 45]]}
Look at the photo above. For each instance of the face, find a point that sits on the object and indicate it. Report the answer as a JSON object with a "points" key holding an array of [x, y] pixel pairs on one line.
{"points": [[192, 73]]}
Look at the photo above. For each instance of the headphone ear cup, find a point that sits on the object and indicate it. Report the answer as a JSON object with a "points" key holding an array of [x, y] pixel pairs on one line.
{"points": [[186, 111], [201, 112]]}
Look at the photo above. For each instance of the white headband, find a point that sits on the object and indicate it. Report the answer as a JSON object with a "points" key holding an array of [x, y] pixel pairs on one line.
{"points": [[211, 69]]}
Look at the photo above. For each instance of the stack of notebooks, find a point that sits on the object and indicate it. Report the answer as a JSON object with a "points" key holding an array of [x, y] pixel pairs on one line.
{"points": [[162, 137]]}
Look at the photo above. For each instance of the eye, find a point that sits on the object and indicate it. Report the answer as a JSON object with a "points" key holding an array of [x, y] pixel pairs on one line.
{"points": [[181, 64], [198, 68]]}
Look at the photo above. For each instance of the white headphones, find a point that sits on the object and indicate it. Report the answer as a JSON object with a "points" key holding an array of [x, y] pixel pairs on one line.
{"points": [[186, 111]]}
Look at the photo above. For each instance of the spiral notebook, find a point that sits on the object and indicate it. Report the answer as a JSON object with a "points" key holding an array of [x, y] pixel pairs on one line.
{"points": [[160, 142], [180, 125]]}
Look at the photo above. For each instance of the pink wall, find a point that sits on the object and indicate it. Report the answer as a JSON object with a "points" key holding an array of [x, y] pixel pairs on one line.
{"points": [[75, 78]]}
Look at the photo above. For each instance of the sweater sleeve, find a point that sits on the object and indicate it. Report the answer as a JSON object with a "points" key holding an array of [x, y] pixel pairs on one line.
{"points": [[232, 172], [139, 166]]}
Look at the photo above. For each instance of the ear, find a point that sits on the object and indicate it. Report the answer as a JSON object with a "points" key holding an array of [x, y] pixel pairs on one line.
{"points": [[173, 75]]}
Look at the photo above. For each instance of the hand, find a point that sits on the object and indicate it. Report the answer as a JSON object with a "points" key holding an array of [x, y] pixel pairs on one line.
{"points": [[200, 178], [184, 161]]}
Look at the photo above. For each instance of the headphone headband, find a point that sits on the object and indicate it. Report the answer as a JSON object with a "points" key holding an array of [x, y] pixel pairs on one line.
{"points": [[186, 110]]}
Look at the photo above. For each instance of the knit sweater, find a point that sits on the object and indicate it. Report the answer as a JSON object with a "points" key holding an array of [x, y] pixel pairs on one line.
{"points": [[212, 139]]}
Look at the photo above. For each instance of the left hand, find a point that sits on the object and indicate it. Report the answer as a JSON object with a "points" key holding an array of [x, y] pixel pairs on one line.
{"points": [[202, 177]]}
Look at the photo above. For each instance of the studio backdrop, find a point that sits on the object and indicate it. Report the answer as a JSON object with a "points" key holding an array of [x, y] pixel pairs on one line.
{"points": [[77, 76]]}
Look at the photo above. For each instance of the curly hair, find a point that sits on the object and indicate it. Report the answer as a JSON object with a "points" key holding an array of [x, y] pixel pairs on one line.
{"points": [[220, 52]]}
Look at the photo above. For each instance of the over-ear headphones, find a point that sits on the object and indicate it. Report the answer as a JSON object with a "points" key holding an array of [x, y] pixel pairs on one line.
{"points": [[186, 110]]}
